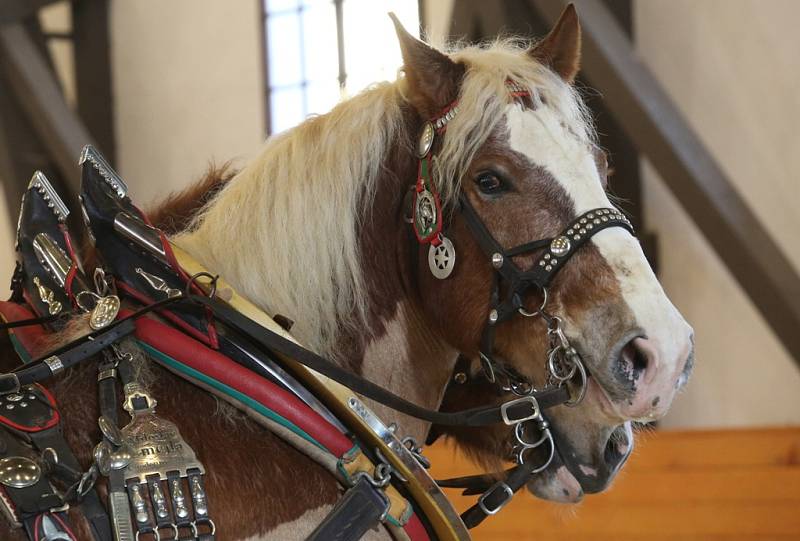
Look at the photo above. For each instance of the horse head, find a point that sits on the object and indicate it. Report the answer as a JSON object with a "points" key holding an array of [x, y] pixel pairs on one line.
{"points": [[519, 150]]}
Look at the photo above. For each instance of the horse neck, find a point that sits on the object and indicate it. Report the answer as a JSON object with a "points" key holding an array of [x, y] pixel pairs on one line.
{"points": [[398, 348]]}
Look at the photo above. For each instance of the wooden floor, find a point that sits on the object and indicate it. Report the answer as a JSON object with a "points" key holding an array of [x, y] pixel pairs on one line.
{"points": [[731, 485]]}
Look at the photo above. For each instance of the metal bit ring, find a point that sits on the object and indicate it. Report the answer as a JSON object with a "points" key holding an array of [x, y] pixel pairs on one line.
{"points": [[520, 456], [539, 311], [572, 402]]}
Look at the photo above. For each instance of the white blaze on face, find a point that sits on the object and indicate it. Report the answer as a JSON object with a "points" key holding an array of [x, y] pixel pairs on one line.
{"points": [[545, 139]]}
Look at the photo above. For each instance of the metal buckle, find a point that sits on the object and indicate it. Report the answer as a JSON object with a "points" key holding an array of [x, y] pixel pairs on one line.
{"points": [[498, 485], [505, 406]]}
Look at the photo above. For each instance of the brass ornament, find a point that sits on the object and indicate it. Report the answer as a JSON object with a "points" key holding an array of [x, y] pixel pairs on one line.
{"points": [[48, 297], [104, 312]]}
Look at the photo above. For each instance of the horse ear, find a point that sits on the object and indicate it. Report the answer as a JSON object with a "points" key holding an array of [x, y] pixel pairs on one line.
{"points": [[561, 48], [433, 79]]}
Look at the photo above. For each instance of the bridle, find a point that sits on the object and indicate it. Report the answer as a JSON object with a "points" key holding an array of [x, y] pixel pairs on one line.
{"points": [[510, 285]]}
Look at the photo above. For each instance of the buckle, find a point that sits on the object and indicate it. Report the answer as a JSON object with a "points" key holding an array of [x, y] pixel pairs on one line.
{"points": [[511, 403], [500, 485]]}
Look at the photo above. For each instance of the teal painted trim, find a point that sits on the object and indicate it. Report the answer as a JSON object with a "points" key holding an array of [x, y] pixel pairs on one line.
{"points": [[233, 393], [18, 347]]}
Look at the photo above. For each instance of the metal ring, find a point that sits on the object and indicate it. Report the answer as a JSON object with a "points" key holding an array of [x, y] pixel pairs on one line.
{"points": [[539, 311], [80, 304], [152, 531], [572, 402], [193, 282], [519, 433], [204, 521], [554, 372], [521, 454], [87, 481], [172, 526], [50, 450]]}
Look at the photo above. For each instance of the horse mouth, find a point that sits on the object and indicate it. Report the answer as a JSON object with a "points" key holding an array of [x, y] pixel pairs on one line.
{"points": [[568, 478]]}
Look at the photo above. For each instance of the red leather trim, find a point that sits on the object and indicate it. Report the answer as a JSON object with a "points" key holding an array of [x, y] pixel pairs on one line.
{"points": [[192, 353], [144, 299], [30, 336], [213, 339], [415, 529], [73, 270]]}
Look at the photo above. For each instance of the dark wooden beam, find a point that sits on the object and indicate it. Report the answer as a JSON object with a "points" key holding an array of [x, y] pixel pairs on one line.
{"points": [[658, 128], [21, 150], [38, 93], [92, 52], [12, 11]]}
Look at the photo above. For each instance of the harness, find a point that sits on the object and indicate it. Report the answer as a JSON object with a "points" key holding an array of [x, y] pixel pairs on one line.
{"points": [[210, 335]]}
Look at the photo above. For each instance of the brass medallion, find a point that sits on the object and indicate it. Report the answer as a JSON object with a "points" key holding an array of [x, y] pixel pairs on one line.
{"points": [[104, 312]]}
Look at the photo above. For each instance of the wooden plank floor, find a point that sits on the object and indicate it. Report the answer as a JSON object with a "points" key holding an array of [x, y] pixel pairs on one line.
{"points": [[731, 485]]}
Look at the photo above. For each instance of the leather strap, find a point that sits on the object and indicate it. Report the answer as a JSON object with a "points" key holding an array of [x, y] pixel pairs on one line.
{"points": [[513, 411], [360, 509]]}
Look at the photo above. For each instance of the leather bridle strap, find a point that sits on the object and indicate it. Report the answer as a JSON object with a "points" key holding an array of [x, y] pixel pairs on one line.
{"points": [[510, 413], [555, 252]]}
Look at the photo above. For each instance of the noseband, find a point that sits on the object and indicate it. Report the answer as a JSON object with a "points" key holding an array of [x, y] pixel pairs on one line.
{"points": [[510, 285]]}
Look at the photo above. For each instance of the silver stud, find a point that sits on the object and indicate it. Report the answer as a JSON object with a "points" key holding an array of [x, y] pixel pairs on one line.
{"points": [[425, 140], [590, 215], [560, 246], [582, 231], [542, 263], [583, 220], [589, 227], [576, 237], [554, 262], [23, 404], [569, 231], [547, 256], [604, 218], [596, 221], [497, 260], [548, 268], [493, 316]]}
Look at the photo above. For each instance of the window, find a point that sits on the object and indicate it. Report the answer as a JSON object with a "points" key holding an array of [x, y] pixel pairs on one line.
{"points": [[319, 51]]}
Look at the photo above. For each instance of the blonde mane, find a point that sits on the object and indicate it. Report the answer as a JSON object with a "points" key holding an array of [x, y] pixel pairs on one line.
{"points": [[284, 231]]}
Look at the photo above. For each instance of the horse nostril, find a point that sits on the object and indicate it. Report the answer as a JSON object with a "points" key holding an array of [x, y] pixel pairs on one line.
{"points": [[618, 447], [632, 363]]}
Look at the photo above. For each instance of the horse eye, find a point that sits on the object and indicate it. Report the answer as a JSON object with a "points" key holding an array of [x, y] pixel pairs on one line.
{"points": [[490, 183]]}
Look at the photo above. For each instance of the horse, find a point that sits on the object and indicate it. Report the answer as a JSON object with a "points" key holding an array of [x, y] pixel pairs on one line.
{"points": [[315, 228]]}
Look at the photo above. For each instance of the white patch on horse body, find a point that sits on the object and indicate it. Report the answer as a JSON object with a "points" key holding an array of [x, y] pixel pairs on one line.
{"points": [[588, 470], [543, 137], [303, 526], [389, 363]]}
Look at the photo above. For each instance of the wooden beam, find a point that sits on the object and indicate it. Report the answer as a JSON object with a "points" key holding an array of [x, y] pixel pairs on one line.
{"points": [[92, 52], [38, 93], [647, 114], [12, 11]]}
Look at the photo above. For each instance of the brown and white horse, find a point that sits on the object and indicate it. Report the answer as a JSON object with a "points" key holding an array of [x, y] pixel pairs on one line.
{"points": [[314, 229]]}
